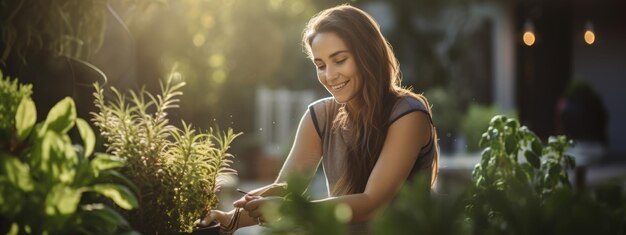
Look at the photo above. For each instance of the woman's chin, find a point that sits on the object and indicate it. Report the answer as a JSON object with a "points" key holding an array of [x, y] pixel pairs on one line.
{"points": [[340, 100]]}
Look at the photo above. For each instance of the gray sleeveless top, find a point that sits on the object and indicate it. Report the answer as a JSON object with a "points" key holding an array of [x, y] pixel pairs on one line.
{"points": [[325, 110]]}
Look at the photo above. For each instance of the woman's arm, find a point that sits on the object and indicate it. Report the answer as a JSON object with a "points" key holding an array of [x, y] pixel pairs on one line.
{"points": [[304, 158], [405, 138], [305, 154]]}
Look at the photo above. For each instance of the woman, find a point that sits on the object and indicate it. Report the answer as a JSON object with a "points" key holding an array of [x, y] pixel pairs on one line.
{"points": [[371, 135]]}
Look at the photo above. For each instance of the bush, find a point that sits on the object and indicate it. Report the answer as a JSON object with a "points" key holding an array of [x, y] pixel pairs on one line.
{"points": [[520, 187], [48, 185], [176, 170]]}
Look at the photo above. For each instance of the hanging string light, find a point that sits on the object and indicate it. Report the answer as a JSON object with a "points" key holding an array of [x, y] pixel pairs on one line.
{"points": [[590, 36], [529, 33]]}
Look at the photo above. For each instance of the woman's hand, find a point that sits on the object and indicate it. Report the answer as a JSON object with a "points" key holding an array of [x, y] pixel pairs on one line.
{"points": [[253, 205], [222, 217]]}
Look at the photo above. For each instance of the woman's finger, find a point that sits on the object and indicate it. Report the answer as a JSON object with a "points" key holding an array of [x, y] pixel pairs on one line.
{"points": [[255, 213], [245, 199], [213, 215], [252, 197], [253, 204], [240, 203]]}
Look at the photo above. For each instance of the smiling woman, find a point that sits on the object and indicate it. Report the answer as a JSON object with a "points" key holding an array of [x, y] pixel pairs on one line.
{"points": [[336, 67], [371, 136]]}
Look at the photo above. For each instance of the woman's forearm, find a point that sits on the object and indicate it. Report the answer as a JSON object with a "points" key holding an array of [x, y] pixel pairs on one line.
{"points": [[275, 189], [363, 206]]}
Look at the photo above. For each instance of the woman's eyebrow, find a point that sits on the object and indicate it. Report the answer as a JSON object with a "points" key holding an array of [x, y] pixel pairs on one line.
{"points": [[332, 55]]}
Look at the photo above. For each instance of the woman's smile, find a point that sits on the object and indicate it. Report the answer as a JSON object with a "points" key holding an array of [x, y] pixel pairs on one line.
{"points": [[339, 86]]}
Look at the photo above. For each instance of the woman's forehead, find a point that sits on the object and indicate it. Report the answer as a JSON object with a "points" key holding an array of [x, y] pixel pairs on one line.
{"points": [[327, 44]]}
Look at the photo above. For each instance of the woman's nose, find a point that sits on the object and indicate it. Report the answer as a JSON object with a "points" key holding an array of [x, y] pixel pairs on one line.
{"points": [[331, 73]]}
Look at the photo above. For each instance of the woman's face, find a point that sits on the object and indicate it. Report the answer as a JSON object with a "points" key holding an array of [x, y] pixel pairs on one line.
{"points": [[336, 66]]}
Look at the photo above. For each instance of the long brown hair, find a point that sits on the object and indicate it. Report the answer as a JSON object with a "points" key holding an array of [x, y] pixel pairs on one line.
{"points": [[380, 72]]}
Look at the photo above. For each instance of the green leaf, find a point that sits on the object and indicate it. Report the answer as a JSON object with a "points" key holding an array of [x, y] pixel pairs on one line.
{"points": [[15, 228], [485, 157], [484, 140], [17, 172], [63, 200], [532, 158], [104, 162], [25, 118], [570, 162], [498, 122], [104, 215], [536, 146], [119, 194], [62, 116], [555, 170], [511, 144], [512, 123], [115, 176], [89, 139]]}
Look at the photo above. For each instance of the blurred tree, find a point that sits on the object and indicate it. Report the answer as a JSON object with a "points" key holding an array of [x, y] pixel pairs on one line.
{"points": [[225, 49], [48, 43]]}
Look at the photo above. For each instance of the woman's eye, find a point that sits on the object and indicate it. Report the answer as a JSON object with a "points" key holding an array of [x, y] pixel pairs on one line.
{"points": [[341, 61], [320, 67]]}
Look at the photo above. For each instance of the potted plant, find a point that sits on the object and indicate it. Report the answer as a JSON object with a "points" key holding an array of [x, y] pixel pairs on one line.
{"points": [[177, 170], [47, 184]]}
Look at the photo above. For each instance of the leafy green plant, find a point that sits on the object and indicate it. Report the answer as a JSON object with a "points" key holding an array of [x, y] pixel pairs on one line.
{"points": [[520, 187], [505, 142], [48, 185], [177, 171], [535, 196], [12, 94], [298, 215], [418, 211]]}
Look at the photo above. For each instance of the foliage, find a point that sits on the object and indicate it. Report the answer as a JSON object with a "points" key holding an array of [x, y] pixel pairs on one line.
{"points": [[48, 185], [532, 197], [475, 121], [510, 196], [176, 170], [11, 94], [418, 211], [298, 215], [72, 28], [504, 142]]}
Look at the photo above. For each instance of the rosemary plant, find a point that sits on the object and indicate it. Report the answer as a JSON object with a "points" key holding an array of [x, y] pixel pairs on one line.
{"points": [[176, 170]]}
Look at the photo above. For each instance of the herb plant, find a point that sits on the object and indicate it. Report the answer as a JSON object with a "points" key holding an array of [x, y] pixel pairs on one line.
{"points": [[520, 186], [177, 171]]}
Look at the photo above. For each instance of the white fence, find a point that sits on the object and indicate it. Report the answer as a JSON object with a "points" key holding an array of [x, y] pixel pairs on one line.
{"points": [[278, 113]]}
